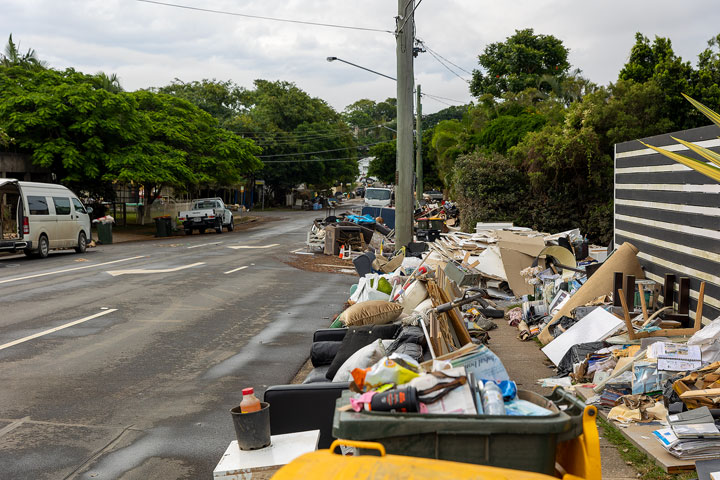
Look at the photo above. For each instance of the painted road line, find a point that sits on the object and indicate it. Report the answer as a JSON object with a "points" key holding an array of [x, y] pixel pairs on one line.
{"points": [[238, 247], [236, 269], [205, 245], [52, 330], [17, 279], [115, 273]]}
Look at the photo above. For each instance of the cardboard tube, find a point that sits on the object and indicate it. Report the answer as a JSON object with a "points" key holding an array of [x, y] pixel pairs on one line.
{"points": [[624, 260]]}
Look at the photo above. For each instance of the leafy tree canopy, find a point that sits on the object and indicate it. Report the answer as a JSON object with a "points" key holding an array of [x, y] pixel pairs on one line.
{"points": [[383, 166], [90, 133], [520, 62], [303, 139], [221, 99]]}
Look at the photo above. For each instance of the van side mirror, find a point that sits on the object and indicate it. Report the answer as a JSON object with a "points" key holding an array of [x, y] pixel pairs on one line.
{"points": [[89, 210]]}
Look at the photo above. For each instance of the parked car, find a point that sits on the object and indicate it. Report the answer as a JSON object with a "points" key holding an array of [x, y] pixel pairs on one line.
{"points": [[37, 217], [360, 192], [207, 213], [433, 196]]}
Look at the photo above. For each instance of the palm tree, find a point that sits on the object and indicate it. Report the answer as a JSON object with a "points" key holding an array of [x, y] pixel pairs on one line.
{"points": [[13, 57], [111, 82]]}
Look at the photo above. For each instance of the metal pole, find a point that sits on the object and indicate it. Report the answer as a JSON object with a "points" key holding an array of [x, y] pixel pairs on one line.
{"points": [[404, 195], [418, 148]]}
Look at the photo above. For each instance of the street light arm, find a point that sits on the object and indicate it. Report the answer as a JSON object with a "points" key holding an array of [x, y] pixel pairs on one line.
{"points": [[332, 59]]}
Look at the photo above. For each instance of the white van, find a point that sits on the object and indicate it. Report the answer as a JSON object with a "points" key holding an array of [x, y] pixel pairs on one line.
{"points": [[38, 217], [378, 197]]}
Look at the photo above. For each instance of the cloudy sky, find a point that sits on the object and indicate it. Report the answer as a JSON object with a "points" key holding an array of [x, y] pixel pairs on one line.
{"points": [[149, 45]]}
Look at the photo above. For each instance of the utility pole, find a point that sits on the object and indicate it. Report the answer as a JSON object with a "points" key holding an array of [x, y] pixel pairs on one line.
{"points": [[418, 148], [404, 204]]}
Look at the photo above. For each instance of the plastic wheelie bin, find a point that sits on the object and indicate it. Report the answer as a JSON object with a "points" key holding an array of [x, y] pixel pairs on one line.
{"points": [[163, 226], [518, 442], [104, 233]]}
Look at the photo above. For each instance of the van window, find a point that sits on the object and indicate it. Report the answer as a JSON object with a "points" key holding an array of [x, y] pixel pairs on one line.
{"points": [[377, 194], [62, 205], [37, 205], [78, 206]]}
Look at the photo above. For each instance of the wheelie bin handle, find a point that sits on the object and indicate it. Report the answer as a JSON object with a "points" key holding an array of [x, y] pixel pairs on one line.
{"points": [[358, 444]]}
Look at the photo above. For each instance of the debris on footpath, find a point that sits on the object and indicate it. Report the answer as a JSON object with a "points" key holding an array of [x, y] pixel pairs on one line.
{"points": [[415, 337]]}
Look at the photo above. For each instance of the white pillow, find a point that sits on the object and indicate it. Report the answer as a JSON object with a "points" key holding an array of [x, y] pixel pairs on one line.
{"points": [[413, 296], [424, 306], [363, 358]]}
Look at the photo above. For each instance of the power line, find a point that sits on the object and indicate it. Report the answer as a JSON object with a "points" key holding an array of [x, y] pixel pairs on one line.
{"points": [[444, 98], [319, 151], [311, 160], [436, 53], [285, 20], [440, 101], [448, 68]]}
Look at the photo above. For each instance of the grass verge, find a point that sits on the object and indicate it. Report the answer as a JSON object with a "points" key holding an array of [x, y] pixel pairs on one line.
{"points": [[646, 467]]}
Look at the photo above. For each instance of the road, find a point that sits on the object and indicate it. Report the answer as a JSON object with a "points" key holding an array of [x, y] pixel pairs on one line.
{"points": [[123, 363]]}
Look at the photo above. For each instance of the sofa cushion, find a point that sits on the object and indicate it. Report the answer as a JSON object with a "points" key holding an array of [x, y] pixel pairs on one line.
{"points": [[317, 375], [372, 312], [358, 337], [322, 353]]}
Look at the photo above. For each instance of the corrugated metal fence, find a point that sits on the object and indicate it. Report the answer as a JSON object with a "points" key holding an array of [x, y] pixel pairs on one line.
{"points": [[671, 213]]}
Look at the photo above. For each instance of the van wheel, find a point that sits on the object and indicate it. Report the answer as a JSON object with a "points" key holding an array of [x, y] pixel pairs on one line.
{"points": [[82, 243], [43, 247]]}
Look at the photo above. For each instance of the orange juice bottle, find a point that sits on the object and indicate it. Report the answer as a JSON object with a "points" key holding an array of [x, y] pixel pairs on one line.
{"points": [[250, 402]]}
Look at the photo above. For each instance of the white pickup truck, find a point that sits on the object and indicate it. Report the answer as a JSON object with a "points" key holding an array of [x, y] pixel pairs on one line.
{"points": [[207, 213]]}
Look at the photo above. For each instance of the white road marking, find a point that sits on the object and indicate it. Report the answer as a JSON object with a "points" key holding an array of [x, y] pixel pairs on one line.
{"points": [[238, 247], [52, 330], [115, 273], [68, 270], [236, 269], [205, 245], [295, 251]]}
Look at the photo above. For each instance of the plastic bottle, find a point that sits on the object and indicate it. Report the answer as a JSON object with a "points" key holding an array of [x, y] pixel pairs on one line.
{"points": [[250, 402], [492, 399]]}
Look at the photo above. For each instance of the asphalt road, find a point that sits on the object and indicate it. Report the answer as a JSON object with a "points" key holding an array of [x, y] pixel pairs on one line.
{"points": [[123, 363]]}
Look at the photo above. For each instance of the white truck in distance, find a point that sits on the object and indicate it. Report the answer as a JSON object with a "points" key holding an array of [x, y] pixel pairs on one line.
{"points": [[207, 213]]}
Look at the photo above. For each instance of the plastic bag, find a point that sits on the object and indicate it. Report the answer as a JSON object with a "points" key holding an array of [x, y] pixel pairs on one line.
{"points": [[396, 369]]}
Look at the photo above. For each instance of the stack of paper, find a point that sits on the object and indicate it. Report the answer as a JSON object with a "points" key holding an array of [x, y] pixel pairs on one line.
{"points": [[692, 435]]}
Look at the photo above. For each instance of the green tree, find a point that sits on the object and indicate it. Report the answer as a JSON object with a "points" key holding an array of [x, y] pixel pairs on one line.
{"points": [[489, 188], [383, 165], [373, 122], [180, 146], [14, 57], [221, 99], [519, 63], [297, 133]]}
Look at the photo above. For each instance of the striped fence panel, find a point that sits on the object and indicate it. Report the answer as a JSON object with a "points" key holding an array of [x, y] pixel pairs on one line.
{"points": [[671, 213]]}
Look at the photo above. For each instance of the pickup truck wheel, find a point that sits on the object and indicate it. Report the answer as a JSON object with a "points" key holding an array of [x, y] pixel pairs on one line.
{"points": [[82, 243], [231, 225], [218, 226]]}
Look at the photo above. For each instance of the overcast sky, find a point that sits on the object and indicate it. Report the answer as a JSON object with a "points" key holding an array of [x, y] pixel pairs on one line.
{"points": [[149, 45]]}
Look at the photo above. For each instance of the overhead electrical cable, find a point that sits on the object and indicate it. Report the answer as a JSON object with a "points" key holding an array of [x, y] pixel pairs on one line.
{"points": [[436, 53], [310, 160], [319, 151], [443, 98], [260, 17]]}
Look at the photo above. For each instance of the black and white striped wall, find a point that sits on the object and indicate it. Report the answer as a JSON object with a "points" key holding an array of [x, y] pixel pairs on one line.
{"points": [[671, 213]]}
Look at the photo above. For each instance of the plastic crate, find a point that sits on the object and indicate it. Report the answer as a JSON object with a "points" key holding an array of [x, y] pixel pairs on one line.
{"points": [[521, 443]]}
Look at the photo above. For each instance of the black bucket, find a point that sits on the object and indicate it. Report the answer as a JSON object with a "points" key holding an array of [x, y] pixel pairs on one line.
{"points": [[252, 429]]}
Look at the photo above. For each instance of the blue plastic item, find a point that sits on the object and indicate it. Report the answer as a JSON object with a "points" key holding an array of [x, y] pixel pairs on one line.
{"points": [[360, 219]]}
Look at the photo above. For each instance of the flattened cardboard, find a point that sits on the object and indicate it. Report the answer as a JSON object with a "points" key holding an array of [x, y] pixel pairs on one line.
{"points": [[624, 260], [517, 253]]}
